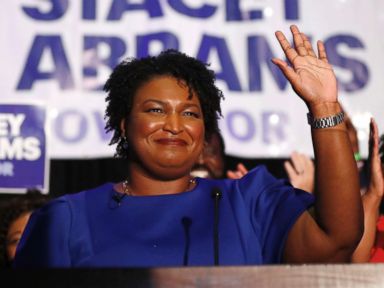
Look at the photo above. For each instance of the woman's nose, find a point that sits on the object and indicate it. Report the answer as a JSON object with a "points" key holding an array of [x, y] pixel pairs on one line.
{"points": [[173, 124]]}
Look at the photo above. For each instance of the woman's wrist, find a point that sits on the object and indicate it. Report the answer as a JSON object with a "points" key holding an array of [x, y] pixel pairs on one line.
{"points": [[325, 109], [326, 115]]}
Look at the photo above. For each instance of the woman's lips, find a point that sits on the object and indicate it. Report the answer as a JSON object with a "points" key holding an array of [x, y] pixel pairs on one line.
{"points": [[173, 142]]}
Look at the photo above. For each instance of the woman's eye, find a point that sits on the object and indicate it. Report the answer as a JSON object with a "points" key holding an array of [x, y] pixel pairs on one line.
{"points": [[192, 114], [155, 110]]}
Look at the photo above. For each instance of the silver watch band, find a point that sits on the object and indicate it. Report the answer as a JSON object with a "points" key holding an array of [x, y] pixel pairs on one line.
{"points": [[325, 122]]}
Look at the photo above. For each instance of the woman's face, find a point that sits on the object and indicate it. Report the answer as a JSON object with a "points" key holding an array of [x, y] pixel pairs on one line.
{"points": [[165, 129], [14, 233]]}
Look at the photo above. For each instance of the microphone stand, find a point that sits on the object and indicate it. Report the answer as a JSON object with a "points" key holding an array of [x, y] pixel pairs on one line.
{"points": [[216, 195]]}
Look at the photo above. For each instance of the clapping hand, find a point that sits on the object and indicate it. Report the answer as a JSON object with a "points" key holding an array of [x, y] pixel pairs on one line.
{"points": [[238, 173], [376, 181], [301, 171], [371, 199]]}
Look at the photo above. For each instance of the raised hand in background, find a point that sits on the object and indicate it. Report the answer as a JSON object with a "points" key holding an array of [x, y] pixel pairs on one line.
{"points": [[371, 198]]}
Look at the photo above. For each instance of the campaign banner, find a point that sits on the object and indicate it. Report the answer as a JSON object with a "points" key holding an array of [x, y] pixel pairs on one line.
{"points": [[23, 148], [61, 52]]}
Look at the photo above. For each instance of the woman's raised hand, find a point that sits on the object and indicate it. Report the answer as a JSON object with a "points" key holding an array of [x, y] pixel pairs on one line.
{"points": [[310, 75]]}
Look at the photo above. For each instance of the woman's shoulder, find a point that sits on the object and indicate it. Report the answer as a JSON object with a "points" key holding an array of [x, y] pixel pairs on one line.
{"points": [[256, 180], [259, 177], [259, 171], [78, 198], [106, 187], [102, 189]]}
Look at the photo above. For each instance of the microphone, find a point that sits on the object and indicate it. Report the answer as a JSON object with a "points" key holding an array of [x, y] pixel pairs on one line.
{"points": [[117, 198], [187, 222], [216, 196]]}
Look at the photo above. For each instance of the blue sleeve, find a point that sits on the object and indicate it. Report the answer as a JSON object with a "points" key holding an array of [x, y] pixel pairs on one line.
{"points": [[274, 205], [45, 241]]}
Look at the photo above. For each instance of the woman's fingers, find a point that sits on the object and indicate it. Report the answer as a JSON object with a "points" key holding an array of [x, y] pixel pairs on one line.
{"points": [[321, 51], [289, 52], [299, 41], [303, 46], [308, 45], [288, 71]]}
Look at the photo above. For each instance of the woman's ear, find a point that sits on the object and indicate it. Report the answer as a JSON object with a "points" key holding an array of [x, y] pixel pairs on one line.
{"points": [[122, 127]]}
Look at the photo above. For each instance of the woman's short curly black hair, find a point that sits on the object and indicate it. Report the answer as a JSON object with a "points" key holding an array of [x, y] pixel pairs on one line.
{"points": [[131, 74]]}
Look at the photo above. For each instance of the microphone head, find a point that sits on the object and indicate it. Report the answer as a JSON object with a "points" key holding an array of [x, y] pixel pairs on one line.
{"points": [[186, 221], [115, 201], [216, 193], [117, 197]]}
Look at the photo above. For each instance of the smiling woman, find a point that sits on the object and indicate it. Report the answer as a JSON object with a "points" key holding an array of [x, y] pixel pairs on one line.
{"points": [[161, 110], [165, 129]]}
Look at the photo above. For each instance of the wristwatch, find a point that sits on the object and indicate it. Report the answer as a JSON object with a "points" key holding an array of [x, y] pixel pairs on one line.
{"points": [[325, 122]]}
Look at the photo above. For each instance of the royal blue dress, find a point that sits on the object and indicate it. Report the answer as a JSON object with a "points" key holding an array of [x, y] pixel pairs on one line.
{"points": [[90, 228]]}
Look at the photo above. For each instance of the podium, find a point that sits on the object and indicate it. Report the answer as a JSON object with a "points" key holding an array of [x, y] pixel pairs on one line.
{"points": [[297, 276]]}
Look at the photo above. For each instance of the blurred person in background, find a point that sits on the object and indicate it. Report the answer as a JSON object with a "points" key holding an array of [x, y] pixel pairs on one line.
{"points": [[14, 216], [211, 162], [371, 246]]}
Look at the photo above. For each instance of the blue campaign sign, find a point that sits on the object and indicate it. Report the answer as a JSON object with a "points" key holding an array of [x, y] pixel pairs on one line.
{"points": [[23, 148]]}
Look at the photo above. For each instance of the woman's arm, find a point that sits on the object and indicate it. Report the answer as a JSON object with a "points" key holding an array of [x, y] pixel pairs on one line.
{"points": [[338, 208]]}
